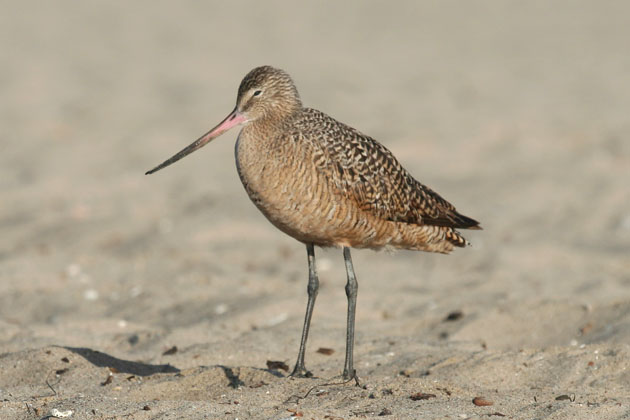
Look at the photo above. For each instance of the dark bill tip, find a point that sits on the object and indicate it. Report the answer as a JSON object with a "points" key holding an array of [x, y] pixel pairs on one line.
{"points": [[234, 119]]}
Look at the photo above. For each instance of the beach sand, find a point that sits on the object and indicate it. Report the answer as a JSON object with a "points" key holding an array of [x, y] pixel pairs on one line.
{"points": [[125, 296]]}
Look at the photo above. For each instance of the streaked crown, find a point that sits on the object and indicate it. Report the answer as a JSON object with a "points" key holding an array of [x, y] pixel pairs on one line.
{"points": [[267, 93]]}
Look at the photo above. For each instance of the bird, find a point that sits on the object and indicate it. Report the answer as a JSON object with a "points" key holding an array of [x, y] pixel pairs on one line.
{"points": [[327, 184]]}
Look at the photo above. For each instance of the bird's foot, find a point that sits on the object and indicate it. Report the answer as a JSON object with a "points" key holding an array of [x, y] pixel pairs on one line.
{"points": [[301, 372], [350, 375]]}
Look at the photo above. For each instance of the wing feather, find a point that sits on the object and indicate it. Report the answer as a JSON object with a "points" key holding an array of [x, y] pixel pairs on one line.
{"points": [[366, 171]]}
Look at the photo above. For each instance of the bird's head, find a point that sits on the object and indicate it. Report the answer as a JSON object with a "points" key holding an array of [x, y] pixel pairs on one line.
{"points": [[266, 95]]}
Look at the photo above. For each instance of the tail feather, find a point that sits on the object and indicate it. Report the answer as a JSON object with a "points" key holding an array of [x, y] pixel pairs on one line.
{"points": [[465, 222], [455, 238], [453, 220]]}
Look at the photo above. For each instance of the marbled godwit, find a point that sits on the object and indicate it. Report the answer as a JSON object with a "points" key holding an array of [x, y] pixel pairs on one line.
{"points": [[325, 183]]}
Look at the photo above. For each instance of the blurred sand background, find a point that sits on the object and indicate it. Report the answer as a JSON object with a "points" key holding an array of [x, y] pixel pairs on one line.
{"points": [[517, 112]]}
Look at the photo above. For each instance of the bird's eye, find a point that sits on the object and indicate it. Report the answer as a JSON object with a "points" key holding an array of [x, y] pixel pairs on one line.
{"points": [[258, 92]]}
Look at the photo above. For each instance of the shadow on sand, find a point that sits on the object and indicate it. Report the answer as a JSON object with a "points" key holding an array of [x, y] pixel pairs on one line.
{"points": [[100, 359]]}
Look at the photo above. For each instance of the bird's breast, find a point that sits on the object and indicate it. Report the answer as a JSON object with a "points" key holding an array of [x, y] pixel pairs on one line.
{"points": [[296, 188], [273, 174], [285, 183]]}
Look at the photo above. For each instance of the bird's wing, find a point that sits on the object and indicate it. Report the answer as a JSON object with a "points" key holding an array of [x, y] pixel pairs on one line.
{"points": [[366, 171]]}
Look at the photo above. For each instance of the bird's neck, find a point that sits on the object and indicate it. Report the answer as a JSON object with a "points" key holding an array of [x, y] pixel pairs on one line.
{"points": [[271, 125], [260, 134]]}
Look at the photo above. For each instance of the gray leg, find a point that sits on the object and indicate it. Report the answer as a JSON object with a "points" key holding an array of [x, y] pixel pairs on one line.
{"points": [[313, 287], [351, 292]]}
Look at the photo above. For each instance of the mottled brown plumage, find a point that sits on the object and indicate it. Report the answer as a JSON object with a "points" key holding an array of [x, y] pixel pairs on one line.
{"points": [[325, 183]]}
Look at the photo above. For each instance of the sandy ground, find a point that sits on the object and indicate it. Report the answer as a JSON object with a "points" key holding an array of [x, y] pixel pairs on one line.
{"points": [[517, 112]]}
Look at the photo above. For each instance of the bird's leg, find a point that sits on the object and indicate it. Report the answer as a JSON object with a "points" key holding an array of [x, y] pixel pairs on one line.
{"points": [[312, 288], [351, 292]]}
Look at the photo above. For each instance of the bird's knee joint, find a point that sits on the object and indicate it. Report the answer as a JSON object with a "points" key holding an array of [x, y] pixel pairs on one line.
{"points": [[312, 288], [351, 289]]}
